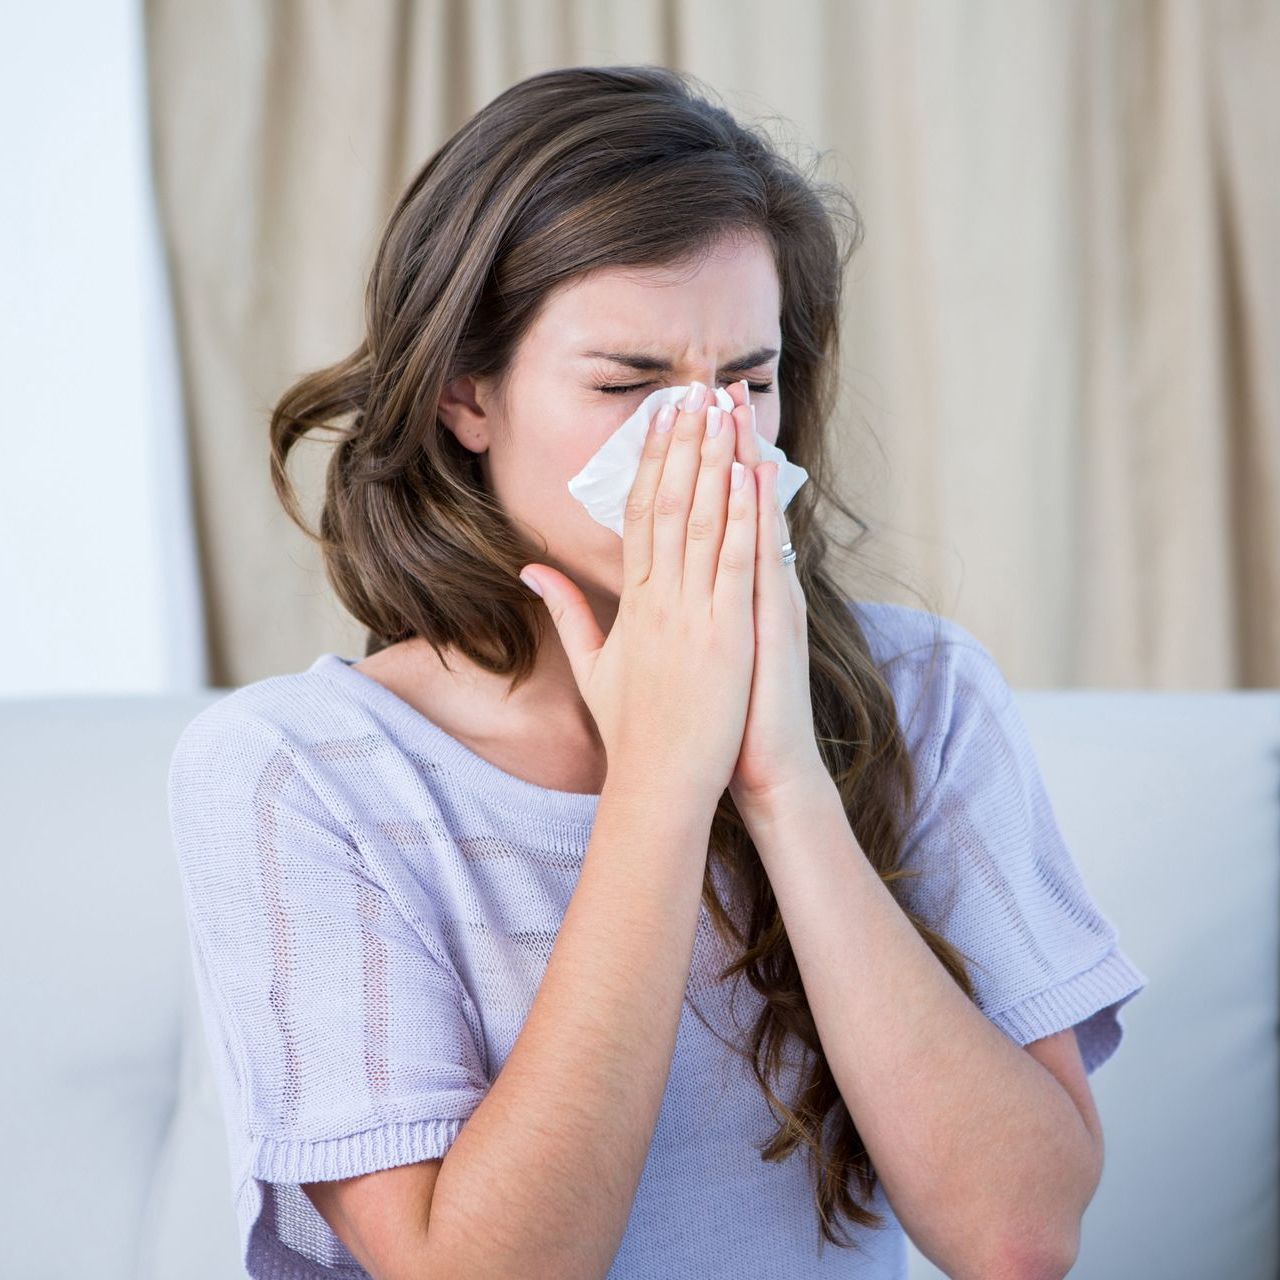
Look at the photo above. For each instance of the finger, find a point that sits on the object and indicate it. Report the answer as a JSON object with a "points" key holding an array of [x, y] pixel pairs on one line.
{"points": [[573, 617], [753, 440], [708, 516], [784, 531], [739, 392], [637, 519], [741, 396], [770, 568], [674, 498], [734, 590], [776, 501]]}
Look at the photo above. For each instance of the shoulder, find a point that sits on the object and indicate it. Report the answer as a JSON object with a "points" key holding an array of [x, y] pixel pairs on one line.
{"points": [[309, 706], [324, 740], [927, 654], [948, 689], [312, 711], [301, 732], [239, 731], [238, 750]]}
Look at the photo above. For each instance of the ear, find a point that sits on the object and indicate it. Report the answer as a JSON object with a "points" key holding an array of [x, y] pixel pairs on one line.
{"points": [[462, 409]]}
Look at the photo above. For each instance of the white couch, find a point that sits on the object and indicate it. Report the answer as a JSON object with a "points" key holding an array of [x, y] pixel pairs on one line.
{"points": [[115, 1164]]}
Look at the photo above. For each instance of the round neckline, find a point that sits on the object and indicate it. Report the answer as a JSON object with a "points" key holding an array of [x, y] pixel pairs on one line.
{"points": [[516, 793]]}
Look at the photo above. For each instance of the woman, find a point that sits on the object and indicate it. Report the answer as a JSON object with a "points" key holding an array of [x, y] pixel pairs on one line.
{"points": [[599, 930]]}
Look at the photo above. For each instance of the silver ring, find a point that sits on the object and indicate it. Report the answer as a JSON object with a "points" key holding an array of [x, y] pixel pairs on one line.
{"points": [[788, 553]]}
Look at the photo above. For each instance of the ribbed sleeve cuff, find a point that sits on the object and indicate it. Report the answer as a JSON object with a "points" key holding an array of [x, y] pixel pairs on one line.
{"points": [[327, 1159], [1111, 981]]}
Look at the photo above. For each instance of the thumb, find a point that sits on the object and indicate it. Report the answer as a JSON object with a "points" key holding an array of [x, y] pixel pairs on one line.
{"points": [[576, 624]]}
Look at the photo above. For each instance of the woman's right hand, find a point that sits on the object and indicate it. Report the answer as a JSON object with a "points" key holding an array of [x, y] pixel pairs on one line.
{"points": [[669, 687]]}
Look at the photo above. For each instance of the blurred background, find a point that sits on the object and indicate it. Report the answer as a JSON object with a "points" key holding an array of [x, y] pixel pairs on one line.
{"points": [[1061, 406], [1059, 417]]}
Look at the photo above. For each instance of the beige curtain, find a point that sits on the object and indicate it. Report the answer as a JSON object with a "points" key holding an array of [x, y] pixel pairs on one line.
{"points": [[1062, 410]]}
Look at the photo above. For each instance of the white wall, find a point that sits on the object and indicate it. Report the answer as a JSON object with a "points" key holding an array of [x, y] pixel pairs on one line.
{"points": [[98, 578]]}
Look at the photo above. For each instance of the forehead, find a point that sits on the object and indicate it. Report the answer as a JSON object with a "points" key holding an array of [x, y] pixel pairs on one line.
{"points": [[727, 298]]}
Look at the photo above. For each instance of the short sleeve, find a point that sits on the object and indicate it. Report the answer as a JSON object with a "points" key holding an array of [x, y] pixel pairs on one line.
{"points": [[343, 1039], [996, 878]]}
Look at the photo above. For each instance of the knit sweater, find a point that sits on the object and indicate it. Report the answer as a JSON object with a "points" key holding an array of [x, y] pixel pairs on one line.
{"points": [[371, 906]]}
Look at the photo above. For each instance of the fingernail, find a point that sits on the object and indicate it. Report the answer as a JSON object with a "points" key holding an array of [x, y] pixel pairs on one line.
{"points": [[666, 416], [746, 391], [693, 397], [531, 584], [713, 419], [739, 472]]}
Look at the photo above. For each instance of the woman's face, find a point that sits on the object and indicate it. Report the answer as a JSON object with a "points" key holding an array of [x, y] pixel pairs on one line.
{"points": [[716, 321]]}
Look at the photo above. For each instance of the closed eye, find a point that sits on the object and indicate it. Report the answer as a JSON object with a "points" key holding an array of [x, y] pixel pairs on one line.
{"points": [[760, 388]]}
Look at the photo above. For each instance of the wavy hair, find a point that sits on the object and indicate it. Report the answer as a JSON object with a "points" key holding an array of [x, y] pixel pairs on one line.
{"points": [[571, 170]]}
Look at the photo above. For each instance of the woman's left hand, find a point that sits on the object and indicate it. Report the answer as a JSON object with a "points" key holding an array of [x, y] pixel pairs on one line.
{"points": [[778, 744]]}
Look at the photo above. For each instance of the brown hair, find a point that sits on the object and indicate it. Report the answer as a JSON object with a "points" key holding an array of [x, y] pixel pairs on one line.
{"points": [[567, 171]]}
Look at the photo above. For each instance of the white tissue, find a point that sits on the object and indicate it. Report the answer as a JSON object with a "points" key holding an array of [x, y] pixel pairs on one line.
{"points": [[602, 486]]}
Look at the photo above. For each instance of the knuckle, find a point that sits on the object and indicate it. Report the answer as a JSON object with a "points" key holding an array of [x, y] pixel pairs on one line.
{"points": [[666, 503], [653, 611], [702, 528], [736, 562], [637, 508]]}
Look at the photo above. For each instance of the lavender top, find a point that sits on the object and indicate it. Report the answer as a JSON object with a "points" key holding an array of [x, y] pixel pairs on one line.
{"points": [[371, 907]]}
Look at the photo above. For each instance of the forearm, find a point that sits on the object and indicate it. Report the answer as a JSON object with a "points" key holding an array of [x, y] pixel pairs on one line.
{"points": [[978, 1146], [541, 1180]]}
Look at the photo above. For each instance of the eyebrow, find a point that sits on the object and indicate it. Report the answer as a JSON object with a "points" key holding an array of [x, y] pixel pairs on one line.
{"points": [[656, 364]]}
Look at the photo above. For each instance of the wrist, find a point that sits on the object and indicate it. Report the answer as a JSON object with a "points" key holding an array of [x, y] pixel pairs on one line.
{"points": [[784, 803], [665, 792]]}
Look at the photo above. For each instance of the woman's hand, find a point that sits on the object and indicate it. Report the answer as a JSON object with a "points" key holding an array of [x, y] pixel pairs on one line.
{"points": [[778, 744], [668, 687]]}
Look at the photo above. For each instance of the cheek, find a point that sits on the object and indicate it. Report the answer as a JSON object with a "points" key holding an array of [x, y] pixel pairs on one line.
{"points": [[591, 431]]}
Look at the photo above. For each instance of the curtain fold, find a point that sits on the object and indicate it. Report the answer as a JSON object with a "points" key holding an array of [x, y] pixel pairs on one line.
{"points": [[1062, 404]]}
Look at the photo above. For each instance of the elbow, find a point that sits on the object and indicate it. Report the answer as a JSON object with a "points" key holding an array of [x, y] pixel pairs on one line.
{"points": [[1026, 1260]]}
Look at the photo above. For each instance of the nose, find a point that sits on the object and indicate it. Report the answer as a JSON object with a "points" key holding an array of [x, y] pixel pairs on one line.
{"points": [[707, 377]]}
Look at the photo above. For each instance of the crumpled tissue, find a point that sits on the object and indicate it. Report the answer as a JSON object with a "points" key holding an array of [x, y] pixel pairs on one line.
{"points": [[603, 485]]}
